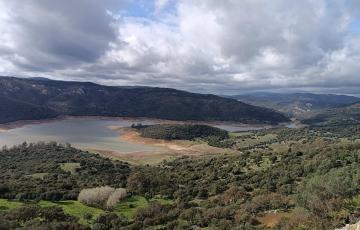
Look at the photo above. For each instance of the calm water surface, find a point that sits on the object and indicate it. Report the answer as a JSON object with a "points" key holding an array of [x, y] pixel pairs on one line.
{"points": [[89, 133], [82, 133]]}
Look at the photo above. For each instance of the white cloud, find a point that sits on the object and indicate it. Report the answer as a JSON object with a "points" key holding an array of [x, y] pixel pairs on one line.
{"points": [[160, 4], [204, 45]]}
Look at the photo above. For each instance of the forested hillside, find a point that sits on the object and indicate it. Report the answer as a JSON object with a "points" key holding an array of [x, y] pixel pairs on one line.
{"points": [[279, 179], [181, 132], [55, 172], [39, 98]]}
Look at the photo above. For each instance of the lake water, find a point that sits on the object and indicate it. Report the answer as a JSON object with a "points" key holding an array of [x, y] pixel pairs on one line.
{"points": [[80, 132], [88, 133]]}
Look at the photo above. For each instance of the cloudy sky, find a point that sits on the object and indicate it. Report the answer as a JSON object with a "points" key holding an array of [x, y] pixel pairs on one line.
{"points": [[224, 47]]}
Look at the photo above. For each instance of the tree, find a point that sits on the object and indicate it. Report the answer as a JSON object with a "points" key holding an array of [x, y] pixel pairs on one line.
{"points": [[115, 197]]}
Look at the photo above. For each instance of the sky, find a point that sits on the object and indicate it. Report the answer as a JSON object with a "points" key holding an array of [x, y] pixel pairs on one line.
{"points": [[206, 46]]}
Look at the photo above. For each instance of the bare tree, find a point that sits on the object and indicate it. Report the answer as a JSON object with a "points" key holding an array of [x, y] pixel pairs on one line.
{"points": [[115, 197], [95, 196]]}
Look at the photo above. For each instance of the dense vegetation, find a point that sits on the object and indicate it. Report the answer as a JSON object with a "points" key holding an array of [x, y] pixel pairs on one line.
{"points": [[181, 132], [37, 99], [314, 183], [55, 172], [36, 217], [211, 135], [13, 110], [279, 179]]}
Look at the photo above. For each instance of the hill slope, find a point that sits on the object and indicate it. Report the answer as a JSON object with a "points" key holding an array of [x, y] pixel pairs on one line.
{"points": [[54, 98], [299, 105], [346, 115]]}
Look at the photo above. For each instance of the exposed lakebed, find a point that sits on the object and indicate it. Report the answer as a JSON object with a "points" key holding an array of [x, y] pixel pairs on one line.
{"points": [[89, 133]]}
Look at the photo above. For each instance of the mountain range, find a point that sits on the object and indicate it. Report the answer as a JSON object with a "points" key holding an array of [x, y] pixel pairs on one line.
{"points": [[347, 115], [38, 98], [298, 105]]}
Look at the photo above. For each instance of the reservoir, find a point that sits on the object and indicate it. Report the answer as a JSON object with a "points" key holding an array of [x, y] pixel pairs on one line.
{"points": [[88, 133]]}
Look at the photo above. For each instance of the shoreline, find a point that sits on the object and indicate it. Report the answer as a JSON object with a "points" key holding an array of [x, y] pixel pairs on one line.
{"points": [[182, 147], [129, 135], [20, 123]]}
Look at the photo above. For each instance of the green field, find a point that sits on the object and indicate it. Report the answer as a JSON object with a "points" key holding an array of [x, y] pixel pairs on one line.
{"points": [[74, 208], [7, 205], [129, 206]]}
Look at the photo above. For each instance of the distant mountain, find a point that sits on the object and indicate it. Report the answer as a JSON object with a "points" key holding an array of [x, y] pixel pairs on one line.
{"points": [[299, 105], [346, 115], [38, 98]]}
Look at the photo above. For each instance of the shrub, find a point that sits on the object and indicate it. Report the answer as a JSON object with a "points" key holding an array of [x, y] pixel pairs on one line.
{"points": [[23, 213], [54, 213], [87, 216]]}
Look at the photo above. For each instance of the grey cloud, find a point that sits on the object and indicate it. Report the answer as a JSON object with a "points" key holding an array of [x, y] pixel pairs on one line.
{"points": [[55, 34], [207, 46]]}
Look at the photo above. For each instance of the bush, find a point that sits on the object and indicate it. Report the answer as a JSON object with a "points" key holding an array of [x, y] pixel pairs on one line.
{"points": [[23, 213]]}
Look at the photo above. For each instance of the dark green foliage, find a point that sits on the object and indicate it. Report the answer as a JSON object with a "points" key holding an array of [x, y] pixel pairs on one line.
{"points": [[37, 99], [220, 142], [182, 132], [35, 217], [155, 214], [110, 221], [14, 110], [314, 181], [317, 176], [19, 164]]}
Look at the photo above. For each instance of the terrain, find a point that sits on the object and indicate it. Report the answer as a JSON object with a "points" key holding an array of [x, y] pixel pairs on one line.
{"points": [[29, 99], [306, 178], [203, 177], [299, 105], [337, 116]]}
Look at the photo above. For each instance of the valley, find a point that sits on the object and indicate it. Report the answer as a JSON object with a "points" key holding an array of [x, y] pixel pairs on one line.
{"points": [[91, 171]]}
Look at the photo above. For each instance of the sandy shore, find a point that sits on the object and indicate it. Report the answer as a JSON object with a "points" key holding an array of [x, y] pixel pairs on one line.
{"points": [[130, 135], [182, 147]]}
